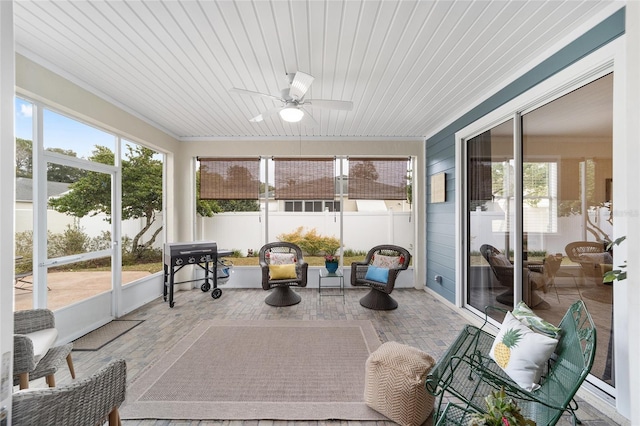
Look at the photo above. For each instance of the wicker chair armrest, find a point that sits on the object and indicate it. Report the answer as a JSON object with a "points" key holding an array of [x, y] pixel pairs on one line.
{"points": [[393, 274], [264, 268], [28, 321], [303, 268], [85, 402], [23, 359], [358, 271]]}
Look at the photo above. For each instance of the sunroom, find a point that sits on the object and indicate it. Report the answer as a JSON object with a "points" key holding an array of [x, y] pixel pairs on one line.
{"points": [[512, 122]]}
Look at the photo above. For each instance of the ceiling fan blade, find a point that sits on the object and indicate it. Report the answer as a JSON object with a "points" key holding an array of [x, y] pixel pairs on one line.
{"points": [[300, 85], [308, 119], [252, 93], [329, 104], [268, 113]]}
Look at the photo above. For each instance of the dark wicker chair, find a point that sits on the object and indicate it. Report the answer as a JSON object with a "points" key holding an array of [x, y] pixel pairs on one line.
{"points": [[282, 295], [87, 402], [378, 298], [26, 366], [503, 270], [503, 273]]}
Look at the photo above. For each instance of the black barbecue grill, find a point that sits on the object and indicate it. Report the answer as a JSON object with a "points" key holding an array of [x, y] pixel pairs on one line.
{"points": [[203, 254]]}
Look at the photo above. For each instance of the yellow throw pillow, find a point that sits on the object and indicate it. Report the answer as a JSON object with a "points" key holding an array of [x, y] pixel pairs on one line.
{"points": [[282, 272]]}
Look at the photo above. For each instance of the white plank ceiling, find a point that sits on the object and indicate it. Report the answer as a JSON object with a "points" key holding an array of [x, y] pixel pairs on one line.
{"points": [[409, 67]]}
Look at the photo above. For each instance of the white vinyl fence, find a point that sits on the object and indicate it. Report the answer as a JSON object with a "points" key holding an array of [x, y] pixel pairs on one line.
{"points": [[362, 230]]}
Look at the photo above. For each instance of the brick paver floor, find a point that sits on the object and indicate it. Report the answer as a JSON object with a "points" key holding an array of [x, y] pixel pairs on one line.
{"points": [[421, 320]]}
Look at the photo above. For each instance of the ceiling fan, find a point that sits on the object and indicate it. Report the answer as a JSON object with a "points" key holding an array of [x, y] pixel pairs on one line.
{"points": [[292, 100]]}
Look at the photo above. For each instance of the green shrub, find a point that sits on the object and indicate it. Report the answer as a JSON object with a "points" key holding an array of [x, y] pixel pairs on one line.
{"points": [[537, 253], [101, 242], [355, 253], [24, 243], [24, 249], [72, 241]]}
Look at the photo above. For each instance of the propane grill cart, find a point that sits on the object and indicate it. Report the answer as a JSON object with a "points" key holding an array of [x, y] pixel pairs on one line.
{"points": [[205, 255]]}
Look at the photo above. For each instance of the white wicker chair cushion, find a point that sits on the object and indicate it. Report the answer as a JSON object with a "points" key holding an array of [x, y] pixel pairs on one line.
{"points": [[43, 340]]}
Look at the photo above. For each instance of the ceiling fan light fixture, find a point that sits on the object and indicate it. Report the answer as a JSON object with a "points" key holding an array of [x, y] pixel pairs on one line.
{"points": [[291, 114]]}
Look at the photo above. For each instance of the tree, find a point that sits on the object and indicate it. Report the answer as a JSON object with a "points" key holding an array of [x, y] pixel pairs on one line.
{"points": [[55, 172], [24, 158], [141, 192], [60, 173]]}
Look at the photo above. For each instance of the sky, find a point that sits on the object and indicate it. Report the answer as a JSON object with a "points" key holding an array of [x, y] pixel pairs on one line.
{"points": [[61, 132]]}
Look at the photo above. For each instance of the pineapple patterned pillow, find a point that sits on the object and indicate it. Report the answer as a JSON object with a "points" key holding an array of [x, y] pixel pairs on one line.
{"points": [[521, 352]]}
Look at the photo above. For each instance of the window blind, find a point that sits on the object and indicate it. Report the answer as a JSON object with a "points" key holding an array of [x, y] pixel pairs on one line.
{"points": [[378, 179], [304, 178], [229, 178], [480, 179]]}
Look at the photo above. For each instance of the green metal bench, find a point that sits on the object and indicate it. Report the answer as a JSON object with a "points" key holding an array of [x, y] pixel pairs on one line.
{"points": [[466, 374]]}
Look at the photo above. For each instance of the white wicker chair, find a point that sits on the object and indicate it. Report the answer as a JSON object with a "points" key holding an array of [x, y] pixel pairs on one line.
{"points": [[87, 402], [27, 365]]}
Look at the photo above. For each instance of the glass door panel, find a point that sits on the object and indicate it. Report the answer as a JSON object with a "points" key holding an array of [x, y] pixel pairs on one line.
{"points": [[78, 234], [23, 276], [567, 216], [74, 282], [490, 217]]}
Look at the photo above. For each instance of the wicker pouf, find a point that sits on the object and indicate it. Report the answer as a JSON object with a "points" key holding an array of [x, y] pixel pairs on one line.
{"points": [[395, 383]]}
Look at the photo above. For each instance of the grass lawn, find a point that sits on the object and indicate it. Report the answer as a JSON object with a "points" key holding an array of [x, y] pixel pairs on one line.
{"points": [[238, 261]]}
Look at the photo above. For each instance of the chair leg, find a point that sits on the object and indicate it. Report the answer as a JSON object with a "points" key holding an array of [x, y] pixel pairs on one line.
{"points": [[282, 296], [51, 380], [24, 381], [70, 364], [378, 301], [114, 417]]}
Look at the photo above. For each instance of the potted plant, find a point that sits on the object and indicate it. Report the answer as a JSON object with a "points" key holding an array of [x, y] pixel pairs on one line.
{"points": [[502, 410], [615, 274], [331, 262]]}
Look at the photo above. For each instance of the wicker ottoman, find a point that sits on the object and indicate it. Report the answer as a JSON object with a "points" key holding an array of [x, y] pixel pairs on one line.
{"points": [[395, 383]]}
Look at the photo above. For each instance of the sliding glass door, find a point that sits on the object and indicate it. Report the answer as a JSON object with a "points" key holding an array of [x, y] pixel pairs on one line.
{"points": [[567, 208], [539, 212]]}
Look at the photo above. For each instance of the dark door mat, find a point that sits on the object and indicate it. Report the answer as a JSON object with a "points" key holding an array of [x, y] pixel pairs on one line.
{"points": [[104, 335]]}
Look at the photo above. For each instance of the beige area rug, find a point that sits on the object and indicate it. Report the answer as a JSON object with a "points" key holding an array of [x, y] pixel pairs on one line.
{"points": [[252, 370], [106, 334]]}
